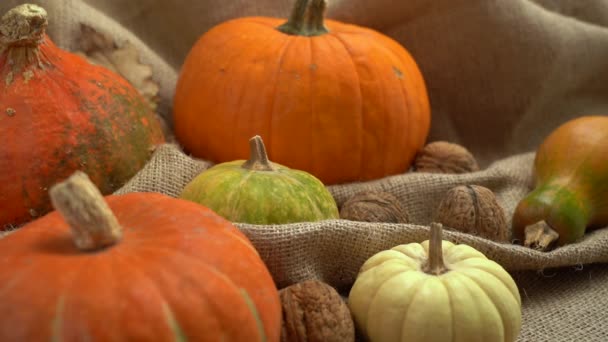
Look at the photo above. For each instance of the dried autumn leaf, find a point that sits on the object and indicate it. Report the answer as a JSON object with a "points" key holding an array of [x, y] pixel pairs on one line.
{"points": [[101, 49]]}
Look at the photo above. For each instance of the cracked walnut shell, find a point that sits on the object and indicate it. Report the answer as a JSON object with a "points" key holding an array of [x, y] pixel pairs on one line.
{"points": [[314, 311], [474, 209], [445, 157]]}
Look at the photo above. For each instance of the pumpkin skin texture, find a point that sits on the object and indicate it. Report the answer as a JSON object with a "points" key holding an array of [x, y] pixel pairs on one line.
{"points": [[58, 114], [402, 295], [320, 96], [571, 184], [175, 271], [257, 191]]}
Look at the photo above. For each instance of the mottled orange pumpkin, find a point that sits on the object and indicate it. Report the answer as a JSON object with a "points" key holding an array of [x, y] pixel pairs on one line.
{"points": [[342, 102], [134, 267], [58, 113]]}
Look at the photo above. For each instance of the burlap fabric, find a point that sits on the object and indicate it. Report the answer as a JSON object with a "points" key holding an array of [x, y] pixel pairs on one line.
{"points": [[334, 250], [501, 75]]}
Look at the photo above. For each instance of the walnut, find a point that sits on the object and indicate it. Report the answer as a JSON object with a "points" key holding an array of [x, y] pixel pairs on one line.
{"points": [[374, 206], [473, 209], [445, 157], [314, 311]]}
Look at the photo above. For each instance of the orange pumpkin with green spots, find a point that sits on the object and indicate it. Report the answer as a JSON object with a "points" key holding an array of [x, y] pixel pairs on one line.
{"points": [[134, 267], [571, 190], [58, 113]]}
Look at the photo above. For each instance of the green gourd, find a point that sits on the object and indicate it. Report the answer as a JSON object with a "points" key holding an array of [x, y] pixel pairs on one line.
{"points": [[258, 191], [571, 185]]}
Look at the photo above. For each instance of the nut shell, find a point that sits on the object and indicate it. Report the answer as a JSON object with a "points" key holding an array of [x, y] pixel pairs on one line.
{"points": [[374, 206], [445, 157], [314, 311], [474, 209]]}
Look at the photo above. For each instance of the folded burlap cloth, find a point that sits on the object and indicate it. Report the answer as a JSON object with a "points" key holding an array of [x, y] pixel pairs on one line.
{"points": [[501, 75]]}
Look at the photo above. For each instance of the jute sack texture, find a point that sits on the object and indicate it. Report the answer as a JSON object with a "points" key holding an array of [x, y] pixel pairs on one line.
{"points": [[501, 75], [559, 304], [333, 250]]}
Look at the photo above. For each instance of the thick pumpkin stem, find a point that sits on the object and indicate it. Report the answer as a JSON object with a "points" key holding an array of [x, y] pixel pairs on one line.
{"points": [[83, 207], [258, 158], [24, 25], [22, 30], [306, 19], [540, 236], [435, 263]]}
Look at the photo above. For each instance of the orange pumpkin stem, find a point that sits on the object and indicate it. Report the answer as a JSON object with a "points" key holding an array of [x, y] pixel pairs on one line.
{"points": [[435, 263], [306, 19], [83, 207], [22, 30], [24, 25], [258, 158]]}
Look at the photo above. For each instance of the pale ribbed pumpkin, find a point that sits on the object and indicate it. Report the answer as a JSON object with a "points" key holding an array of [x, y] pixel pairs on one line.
{"points": [[342, 102], [435, 291]]}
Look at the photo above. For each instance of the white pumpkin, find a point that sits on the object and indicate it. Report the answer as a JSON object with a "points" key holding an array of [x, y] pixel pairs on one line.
{"points": [[421, 292]]}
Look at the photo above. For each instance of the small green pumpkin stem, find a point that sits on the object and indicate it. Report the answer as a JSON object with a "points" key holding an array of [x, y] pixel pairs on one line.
{"points": [[83, 207], [258, 158], [306, 19], [435, 263]]}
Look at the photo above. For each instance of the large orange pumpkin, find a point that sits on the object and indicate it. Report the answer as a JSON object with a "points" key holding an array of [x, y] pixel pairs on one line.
{"points": [[340, 101], [58, 114], [156, 269]]}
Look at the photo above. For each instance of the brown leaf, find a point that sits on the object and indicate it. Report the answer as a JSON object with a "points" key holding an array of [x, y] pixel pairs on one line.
{"points": [[101, 49]]}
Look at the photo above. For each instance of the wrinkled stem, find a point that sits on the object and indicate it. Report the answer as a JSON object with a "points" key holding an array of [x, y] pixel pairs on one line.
{"points": [[83, 207], [306, 19], [258, 158], [24, 25], [553, 214], [540, 236], [22, 30], [435, 264]]}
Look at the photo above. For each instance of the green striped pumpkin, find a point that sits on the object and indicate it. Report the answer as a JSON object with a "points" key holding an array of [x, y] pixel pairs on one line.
{"points": [[258, 191]]}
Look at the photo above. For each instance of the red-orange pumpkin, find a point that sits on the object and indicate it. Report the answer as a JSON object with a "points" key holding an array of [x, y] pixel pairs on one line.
{"points": [[342, 102], [157, 269], [58, 113]]}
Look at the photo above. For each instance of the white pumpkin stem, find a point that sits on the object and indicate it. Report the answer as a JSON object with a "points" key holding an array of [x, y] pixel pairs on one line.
{"points": [[83, 207], [258, 158], [435, 264]]}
